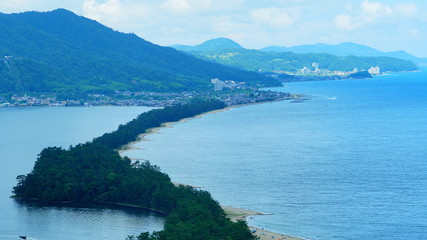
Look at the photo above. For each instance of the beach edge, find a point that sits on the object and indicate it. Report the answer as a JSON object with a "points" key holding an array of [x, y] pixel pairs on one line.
{"points": [[232, 213]]}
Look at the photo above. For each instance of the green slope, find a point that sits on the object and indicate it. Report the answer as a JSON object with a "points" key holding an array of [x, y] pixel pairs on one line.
{"points": [[267, 61], [210, 45], [79, 54], [346, 49]]}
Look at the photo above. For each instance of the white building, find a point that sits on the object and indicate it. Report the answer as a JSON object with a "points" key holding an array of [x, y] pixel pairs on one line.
{"points": [[218, 84], [374, 70], [305, 70], [316, 66]]}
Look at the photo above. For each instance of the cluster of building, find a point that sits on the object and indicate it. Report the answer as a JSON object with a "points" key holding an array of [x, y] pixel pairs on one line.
{"points": [[151, 99], [374, 70], [26, 100], [253, 97], [306, 70], [228, 84]]}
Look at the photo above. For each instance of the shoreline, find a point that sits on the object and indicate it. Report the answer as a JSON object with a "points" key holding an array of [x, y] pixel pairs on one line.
{"points": [[142, 137], [233, 213], [236, 214]]}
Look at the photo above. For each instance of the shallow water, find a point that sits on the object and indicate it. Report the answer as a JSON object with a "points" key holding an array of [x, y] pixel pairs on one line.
{"points": [[348, 164]]}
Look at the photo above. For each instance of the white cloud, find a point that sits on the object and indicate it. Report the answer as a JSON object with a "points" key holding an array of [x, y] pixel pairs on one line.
{"points": [[14, 5], [406, 9], [110, 10], [410, 31], [369, 12], [177, 6], [225, 24], [184, 7], [345, 22], [275, 17], [374, 10]]}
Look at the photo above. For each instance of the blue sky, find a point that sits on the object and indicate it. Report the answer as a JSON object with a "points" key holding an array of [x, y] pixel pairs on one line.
{"points": [[387, 25]]}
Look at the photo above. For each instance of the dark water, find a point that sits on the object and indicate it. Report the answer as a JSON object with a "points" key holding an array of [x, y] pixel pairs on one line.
{"points": [[351, 163], [24, 132]]}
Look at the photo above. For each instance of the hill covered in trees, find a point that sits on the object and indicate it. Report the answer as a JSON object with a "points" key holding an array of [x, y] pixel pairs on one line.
{"points": [[287, 61], [59, 51], [94, 172], [210, 45], [346, 49]]}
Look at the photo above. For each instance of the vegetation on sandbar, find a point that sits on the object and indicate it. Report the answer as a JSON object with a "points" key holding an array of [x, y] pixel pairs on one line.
{"points": [[94, 172]]}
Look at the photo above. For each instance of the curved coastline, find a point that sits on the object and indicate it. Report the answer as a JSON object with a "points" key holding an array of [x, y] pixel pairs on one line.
{"points": [[233, 213]]}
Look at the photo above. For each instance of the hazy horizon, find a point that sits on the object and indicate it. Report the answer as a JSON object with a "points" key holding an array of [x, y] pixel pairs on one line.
{"points": [[384, 25]]}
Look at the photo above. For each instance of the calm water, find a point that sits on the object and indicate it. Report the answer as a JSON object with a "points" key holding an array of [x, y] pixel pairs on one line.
{"points": [[348, 164], [24, 133]]}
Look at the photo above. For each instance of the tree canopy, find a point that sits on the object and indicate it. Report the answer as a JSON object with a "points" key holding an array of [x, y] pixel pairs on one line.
{"points": [[59, 51], [94, 172]]}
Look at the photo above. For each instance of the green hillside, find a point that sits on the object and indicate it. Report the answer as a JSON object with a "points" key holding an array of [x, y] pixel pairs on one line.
{"points": [[59, 51], [268, 61], [211, 45], [346, 49]]}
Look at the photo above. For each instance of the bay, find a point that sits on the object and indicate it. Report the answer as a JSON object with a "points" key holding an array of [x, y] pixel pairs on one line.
{"points": [[348, 164], [24, 133]]}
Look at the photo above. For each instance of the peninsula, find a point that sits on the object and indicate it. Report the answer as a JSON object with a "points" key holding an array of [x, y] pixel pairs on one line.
{"points": [[94, 172]]}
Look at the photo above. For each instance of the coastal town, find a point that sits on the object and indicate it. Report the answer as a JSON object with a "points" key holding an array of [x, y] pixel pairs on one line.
{"points": [[316, 70], [150, 99], [228, 91]]}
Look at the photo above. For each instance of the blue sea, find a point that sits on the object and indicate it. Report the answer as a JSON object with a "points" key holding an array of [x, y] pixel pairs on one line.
{"points": [[24, 132], [350, 163]]}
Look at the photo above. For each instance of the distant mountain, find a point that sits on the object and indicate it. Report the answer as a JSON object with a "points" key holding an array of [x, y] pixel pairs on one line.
{"points": [[279, 59], [274, 49], [210, 45], [61, 52], [345, 49]]}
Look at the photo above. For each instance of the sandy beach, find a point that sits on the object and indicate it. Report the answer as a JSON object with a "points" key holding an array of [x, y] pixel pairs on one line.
{"points": [[233, 213], [142, 137], [241, 214]]}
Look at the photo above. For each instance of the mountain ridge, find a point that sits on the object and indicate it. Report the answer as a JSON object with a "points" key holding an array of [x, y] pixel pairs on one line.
{"points": [[345, 49], [209, 45], [289, 62], [83, 55]]}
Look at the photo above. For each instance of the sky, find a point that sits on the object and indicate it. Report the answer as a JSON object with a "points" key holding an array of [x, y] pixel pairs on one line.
{"points": [[386, 25]]}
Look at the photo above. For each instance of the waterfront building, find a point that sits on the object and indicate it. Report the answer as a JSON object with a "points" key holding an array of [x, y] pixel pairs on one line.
{"points": [[374, 70], [316, 66], [305, 70]]}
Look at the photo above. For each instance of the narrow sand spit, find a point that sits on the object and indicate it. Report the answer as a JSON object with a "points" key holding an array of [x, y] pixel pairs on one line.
{"points": [[233, 213], [241, 214]]}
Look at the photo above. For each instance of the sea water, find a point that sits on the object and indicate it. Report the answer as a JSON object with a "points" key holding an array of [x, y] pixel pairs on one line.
{"points": [[350, 163], [24, 132]]}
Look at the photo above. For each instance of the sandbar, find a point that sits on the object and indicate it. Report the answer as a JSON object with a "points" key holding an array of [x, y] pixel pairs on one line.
{"points": [[233, 213]]}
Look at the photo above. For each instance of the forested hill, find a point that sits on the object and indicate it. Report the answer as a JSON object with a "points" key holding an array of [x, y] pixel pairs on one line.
{"points": [[346, 49], [278, 61], [60, 51], [210, 45]]}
